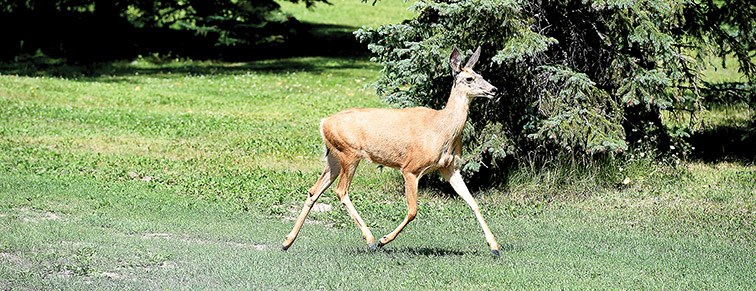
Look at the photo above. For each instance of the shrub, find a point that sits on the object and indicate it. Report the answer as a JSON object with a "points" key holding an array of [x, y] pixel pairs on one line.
{"points": [[579, 80]]}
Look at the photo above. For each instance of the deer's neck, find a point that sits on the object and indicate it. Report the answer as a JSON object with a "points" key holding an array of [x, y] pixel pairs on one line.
{"points": [[454, 114]]}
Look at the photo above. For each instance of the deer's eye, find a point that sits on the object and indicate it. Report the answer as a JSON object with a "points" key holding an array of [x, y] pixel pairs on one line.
{"points": [[469, 79]]}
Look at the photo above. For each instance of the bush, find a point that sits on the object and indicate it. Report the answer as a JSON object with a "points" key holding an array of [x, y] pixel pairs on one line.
{"points": [[579, 80]]}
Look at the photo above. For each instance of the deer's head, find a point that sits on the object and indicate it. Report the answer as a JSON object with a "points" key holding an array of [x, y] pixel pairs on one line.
{"points": [[467, 80]]}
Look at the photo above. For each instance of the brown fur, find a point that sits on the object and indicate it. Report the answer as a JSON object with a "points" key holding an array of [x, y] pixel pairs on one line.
{"points": [[413, 140]]}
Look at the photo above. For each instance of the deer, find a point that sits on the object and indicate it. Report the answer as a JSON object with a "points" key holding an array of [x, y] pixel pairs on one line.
{"points": [[415, 141]]}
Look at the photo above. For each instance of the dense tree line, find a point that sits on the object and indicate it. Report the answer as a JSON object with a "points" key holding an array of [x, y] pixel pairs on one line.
{"points": [[100, 29]]}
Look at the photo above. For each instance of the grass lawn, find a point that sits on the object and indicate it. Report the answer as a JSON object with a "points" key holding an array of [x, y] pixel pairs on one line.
{"points": [[77, 232], [187, 174]]}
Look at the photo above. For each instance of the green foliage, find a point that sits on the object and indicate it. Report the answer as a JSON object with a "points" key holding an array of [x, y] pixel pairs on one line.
{"points": [[93, 30], [726, 27], [229, 22], [582, 79], [580, 115]]}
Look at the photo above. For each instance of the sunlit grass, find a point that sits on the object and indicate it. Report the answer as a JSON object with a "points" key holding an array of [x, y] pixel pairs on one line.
{"points": [[166, 121], [75, 232], [719, 70], [178, 174], [157, 175], [352, 13]]}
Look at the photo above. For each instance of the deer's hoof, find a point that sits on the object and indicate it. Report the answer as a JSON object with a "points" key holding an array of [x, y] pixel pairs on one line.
{"points": [[496, 253], [374, 246], [284, 247]]}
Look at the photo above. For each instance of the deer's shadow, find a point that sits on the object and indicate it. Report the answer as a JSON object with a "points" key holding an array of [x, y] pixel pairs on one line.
{"points": [[430, 252]]}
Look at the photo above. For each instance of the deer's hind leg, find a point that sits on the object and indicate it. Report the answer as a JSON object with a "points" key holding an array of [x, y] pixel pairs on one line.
{"points": [[331, 171], [348, 167], [410, 188]]}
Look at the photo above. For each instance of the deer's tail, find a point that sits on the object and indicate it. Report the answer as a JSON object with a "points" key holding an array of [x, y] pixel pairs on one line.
{"points": [[326, 150]]}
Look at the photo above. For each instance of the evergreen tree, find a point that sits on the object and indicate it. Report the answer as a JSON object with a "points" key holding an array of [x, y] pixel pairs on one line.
{"points": [[577, 79]]}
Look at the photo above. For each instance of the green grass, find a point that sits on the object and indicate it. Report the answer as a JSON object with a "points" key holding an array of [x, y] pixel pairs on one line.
{"points": [[78, 233], [717, 70], [352, 13], [181, 129], [186, 174]]}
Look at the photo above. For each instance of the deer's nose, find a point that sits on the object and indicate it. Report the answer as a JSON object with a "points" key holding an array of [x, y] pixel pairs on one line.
{"points": [[494, 90]]}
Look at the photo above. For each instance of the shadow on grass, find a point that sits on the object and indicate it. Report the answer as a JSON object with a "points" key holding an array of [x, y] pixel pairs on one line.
{"points": [[432, 251], [726, 143], [148, 67], [427, 252], [335, 43], [414, 252], [734, 142]]}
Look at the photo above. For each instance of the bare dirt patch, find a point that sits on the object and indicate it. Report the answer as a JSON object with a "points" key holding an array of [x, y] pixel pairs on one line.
{"points": [[35, 215], [15, 260], [111, 275], [194, 240]]}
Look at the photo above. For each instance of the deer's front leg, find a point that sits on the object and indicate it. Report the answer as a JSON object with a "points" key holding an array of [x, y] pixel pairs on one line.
{"points": [[455, 179], [410, 188]]}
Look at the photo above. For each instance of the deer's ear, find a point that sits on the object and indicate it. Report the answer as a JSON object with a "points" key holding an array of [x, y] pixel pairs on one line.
{"points": [[473, 59], [455, 62]]}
